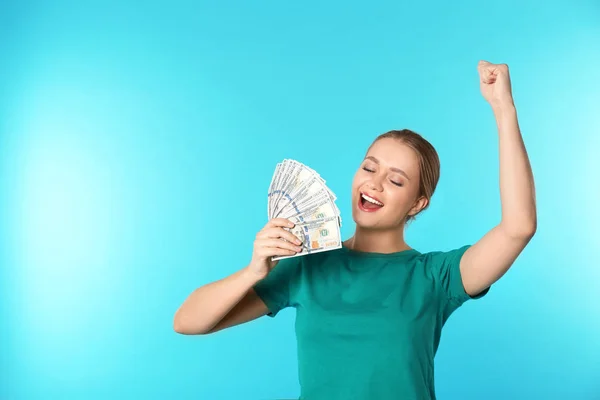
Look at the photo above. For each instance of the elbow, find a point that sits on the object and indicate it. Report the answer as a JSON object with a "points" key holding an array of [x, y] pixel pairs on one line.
{"points": [[178, 326], [521, 230], [533, 229], [184, 328], [529, 229]]}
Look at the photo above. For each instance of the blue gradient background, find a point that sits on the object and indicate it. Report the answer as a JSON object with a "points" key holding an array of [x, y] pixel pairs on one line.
{"points": [[137, 142]]}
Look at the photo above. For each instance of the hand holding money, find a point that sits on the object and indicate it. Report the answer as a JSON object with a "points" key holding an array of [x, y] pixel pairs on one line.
{"points": [[269, 243], [297, 193]]}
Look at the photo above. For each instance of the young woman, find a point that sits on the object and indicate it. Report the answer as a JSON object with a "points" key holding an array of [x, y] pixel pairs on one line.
{"points": [[370, 315]]}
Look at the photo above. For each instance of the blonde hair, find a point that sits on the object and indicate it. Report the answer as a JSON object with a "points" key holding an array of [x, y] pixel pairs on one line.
{"points": [[429, 162]]}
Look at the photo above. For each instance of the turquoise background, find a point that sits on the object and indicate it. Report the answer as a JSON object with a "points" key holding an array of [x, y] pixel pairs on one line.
{"points": [[138, 140]]}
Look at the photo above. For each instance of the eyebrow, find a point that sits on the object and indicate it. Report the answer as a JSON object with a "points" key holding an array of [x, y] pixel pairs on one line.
{"points": [[398, 170]]}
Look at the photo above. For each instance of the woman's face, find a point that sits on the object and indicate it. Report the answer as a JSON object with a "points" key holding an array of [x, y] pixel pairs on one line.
{"points": [[389, 175]]}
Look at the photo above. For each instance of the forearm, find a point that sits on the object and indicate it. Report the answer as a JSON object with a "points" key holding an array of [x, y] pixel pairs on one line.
{"points": [[209, 304], [517, 190]]}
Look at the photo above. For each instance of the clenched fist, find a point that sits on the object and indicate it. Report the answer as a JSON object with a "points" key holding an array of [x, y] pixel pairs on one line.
{"points": [[494, 82]]}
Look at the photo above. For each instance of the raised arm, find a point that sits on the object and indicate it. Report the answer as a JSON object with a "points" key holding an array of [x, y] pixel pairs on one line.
{"points": [[488, 259]]}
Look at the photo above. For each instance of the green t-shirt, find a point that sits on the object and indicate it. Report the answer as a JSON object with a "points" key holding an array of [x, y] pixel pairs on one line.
{"points": [[368, 325]]}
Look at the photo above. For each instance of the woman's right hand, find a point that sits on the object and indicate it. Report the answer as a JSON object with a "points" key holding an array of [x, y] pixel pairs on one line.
{"points": [[268, 244]]}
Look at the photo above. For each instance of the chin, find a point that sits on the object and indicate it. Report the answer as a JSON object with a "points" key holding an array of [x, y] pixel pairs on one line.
{"points": [[366, 221]]}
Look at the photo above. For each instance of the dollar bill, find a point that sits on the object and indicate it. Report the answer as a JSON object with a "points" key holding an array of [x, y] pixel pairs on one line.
{"points": [[300, 194], [316, 236]]}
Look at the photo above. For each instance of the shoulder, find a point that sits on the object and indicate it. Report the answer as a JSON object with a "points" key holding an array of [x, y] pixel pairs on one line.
{"points": [[438, 258], [444, 267], [440, 264]]}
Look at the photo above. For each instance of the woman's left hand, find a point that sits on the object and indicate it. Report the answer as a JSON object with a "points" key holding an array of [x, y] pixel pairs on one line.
{"points": [[494, 82]]}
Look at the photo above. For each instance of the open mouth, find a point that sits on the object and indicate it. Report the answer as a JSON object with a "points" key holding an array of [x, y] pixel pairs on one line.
{"points": [[368, 203]]}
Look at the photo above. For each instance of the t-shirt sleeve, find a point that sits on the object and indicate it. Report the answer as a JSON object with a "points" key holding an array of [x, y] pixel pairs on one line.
{"points": [[277, 290], [445, 266]]}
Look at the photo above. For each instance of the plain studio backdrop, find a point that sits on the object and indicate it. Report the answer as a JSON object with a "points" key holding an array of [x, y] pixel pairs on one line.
{"points": [[138, 140]]}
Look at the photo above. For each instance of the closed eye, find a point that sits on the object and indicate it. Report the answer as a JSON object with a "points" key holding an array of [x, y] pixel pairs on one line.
{"points": [[371, 171]]}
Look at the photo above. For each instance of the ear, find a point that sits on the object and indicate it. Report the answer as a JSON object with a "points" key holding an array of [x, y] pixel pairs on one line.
{"points": [[420, 204]]}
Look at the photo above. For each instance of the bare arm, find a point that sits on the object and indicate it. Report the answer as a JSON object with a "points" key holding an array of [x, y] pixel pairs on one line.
{"points": [[488, 259], [231, 300], [220, 304]]}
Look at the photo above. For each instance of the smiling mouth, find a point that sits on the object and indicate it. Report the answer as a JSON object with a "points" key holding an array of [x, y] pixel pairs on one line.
{"points": [[369, 204]]}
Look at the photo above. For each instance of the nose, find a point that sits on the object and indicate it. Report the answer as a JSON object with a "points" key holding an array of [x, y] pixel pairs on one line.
{"points": [[375, 183]]}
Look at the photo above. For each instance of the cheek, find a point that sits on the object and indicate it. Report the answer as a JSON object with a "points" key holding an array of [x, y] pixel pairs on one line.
{"points": [[356, 182], [354, 192], [398, 202]]}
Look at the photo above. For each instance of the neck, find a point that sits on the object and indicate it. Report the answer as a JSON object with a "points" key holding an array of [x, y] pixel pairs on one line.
{"points": [[377, 241]]}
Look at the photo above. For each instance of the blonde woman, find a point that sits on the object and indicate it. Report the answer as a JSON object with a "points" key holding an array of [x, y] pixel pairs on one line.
{"points": [[369, 315]]}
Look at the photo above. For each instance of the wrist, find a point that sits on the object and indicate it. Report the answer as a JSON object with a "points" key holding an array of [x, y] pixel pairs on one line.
{"points": [[503, 106], [250, 275]]}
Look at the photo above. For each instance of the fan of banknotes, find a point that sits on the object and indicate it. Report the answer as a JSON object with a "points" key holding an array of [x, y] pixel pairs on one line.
{"points": [[299, 194]]}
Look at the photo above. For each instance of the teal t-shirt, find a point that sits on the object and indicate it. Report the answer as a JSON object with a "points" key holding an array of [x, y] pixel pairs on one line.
{"points": [[368, 325]]}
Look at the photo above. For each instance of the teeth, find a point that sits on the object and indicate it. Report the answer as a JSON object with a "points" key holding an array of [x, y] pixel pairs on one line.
{"points": [[371, 200]]}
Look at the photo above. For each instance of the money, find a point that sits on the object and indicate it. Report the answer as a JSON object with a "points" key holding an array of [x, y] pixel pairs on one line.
{"points": [[298, 193]]}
